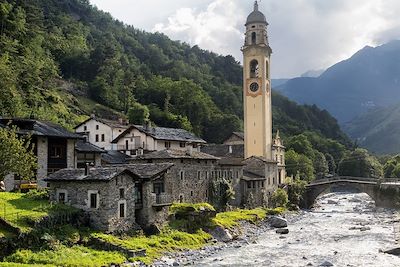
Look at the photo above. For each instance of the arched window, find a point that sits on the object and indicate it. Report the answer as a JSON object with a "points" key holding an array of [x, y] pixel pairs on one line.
{"points": [[254, 69], [253, 38], [267, 70]]}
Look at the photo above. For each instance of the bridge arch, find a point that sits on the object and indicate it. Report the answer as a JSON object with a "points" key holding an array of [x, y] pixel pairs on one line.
{"points": [[318, 188]]}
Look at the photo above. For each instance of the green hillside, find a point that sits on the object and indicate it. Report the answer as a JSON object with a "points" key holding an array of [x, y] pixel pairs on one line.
{"points": [[64, 59], [377, 130]]}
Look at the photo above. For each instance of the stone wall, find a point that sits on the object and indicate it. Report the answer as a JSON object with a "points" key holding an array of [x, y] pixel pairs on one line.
{"points": [[42, 158], [106, 216], [71, 162]]}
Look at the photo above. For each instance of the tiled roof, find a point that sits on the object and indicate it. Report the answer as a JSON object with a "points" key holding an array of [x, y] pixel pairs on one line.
{"points": [[142, 171], [39, 128], [162, 133], [111, 123], [82, 146], [115, 157], [177, 154], [229, 151]]}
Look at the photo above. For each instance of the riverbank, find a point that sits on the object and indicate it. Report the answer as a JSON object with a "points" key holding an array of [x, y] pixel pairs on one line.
{"points": [[343, 230]]}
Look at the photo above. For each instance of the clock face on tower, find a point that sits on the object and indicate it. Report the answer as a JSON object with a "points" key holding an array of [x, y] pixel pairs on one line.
{"points": [[254, 87]]}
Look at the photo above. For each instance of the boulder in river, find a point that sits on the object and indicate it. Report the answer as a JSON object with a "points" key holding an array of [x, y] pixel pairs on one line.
{"points": [[278, 222], [333, 202], [395, 251], [221, 234], [282, 231]]}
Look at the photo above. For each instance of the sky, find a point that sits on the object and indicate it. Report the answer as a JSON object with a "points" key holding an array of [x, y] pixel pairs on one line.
{"points": [[304, 34]]}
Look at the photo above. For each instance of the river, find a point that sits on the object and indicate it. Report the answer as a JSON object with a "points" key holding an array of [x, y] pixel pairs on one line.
{"points": [[344, 229]]}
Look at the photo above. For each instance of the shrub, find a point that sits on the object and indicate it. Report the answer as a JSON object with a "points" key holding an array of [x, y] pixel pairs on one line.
{"points": [[42, 194], [279, 198]]}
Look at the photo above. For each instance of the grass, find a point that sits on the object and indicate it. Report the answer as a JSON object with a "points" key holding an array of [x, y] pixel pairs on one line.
{"points": [[14, 264], [76, 256], [231, 219], [177, 207], [21, 211], [156, 245]]}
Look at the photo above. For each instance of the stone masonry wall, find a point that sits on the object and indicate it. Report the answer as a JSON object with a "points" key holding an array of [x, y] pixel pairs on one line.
{"points": [[42, 158], [106, 216]]}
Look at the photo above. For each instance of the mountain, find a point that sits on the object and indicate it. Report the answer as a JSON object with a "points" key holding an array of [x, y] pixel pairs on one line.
{"points": [[369, 79], [312, 73], [378, 130], [62, 60], [278, 82]]}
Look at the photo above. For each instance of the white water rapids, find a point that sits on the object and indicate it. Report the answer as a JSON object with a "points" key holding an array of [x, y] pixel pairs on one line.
{"points": [[345, 229]]}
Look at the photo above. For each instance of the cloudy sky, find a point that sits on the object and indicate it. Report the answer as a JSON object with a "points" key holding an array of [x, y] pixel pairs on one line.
{"points": [[304, 34]]}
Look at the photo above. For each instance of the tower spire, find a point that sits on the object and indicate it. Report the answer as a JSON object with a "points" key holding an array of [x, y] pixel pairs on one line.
{"points": [[256, 5]]}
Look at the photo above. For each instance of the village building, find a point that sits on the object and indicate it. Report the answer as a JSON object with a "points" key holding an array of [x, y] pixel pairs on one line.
{"points": [[190, 177], [101, 132], [118, 198], [88, 154], [53, 146]]}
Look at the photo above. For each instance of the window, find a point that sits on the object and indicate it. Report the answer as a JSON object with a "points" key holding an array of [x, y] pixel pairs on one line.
{"points": [[262, 184], [253, 38], [180, 199], [182, 144], [57, 152], [182, 175], [85, 128], [267, 70], [158, 187], [254, 69], [62, 196], [121, 193], [138, 194], [198, 174], [102, 138], [97, 127], [281, 159], [93, 200], [191, 193], [121, 209], [167, 145], [249, 184], [97, 138]]}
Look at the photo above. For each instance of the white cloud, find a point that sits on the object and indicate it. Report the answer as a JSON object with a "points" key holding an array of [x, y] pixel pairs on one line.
{"points": [[304, 34]]}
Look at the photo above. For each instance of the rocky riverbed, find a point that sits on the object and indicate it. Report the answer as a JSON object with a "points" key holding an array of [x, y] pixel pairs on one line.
{"points": [[342, 230]]}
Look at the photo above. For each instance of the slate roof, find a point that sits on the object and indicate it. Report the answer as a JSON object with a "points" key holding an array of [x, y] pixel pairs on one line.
{"points": [[231, 161], [251, 176], [111, 123], [239, 134], [86, 147], [39, 128], [105, 174], [162, 133], [115, 157], [177, 154], [223, 151]]}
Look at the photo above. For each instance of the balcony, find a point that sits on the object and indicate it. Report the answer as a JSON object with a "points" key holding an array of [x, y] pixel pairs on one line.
{"points": [[161, 200]]}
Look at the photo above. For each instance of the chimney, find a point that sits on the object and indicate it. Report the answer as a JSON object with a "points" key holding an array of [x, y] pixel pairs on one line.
{"points": [[140, 151], [92, 116], [87, 169]]}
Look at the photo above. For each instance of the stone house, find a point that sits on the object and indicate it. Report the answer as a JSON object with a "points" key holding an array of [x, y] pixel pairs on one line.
{"points": [[138, 139], [87, 153], [101, 132], [190, 177], [236, 138], [117, 198], [53, 145]]}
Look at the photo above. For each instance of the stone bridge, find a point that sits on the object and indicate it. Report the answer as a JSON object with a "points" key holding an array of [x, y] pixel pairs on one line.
{"points": [[385, 192]]}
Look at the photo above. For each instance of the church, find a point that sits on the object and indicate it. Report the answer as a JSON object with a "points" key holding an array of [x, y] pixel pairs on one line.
{"points": [[263, 157]]}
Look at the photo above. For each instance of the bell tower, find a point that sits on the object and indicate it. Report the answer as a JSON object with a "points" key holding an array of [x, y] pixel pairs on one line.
{"points": [[257, 87]]}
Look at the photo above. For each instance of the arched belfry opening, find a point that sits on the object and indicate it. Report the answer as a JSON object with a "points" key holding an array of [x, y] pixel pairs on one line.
{"points": [[253, 38], [267, 69], [254, 68]]}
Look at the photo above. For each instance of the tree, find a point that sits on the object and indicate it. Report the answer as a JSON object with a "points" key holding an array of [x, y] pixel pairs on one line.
{"points": [[138, 113], [320, 165], [360, 164], [296, 190], [279, 198], [16, 155], [298, 164]]}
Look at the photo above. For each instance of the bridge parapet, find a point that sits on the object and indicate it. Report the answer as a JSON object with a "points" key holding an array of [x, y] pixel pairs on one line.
{"points": [[350, 178]]}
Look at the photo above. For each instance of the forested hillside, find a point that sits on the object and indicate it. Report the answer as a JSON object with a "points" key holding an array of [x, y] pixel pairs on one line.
{"points": [[62, 60]]}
